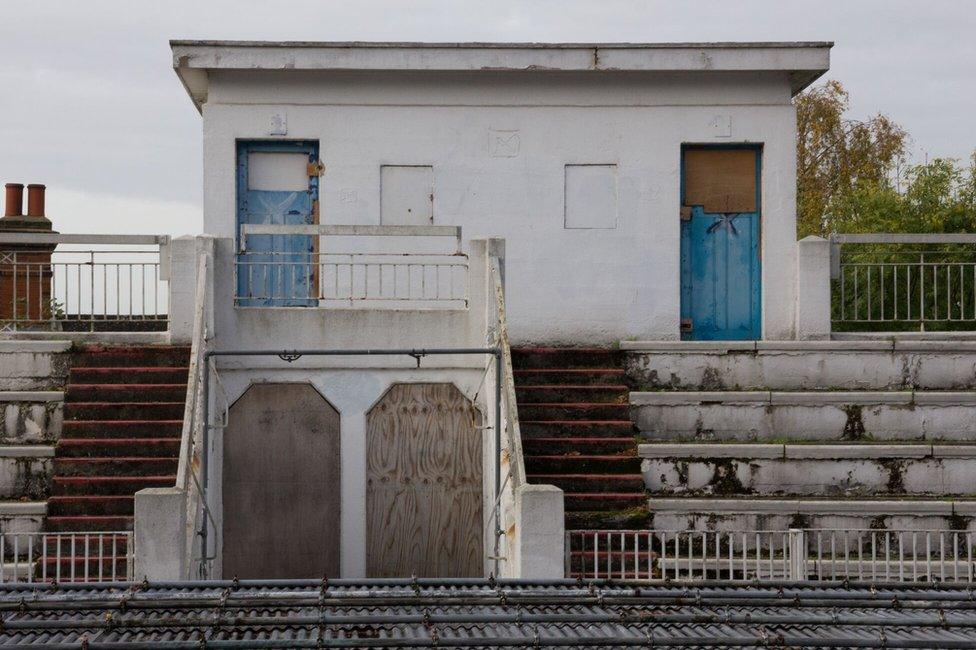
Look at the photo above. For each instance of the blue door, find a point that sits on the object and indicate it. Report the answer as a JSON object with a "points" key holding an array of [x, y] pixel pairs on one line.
{"points": [[275, 186], [720, 235]]}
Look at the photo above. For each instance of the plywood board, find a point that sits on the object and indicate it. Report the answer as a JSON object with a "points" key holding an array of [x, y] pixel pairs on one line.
{"points": [[281, 484], [423, 484], [721, 180]]}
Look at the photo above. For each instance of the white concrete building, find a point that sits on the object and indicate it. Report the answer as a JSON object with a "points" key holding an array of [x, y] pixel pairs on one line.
{"points": [[574, 154]]}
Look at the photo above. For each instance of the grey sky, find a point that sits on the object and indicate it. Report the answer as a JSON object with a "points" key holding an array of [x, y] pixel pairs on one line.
{"points": [[91, 106]]}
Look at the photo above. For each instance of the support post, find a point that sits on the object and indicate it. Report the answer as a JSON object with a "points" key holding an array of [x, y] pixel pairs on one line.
{"points": [[160, 534], [813, 289], [540, 532], [798, 554]]}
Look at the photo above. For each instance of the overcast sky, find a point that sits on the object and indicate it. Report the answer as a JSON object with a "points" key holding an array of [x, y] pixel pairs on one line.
{"points": [[91, 106]]}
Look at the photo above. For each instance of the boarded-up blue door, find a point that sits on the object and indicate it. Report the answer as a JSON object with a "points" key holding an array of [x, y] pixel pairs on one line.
{"points": [[720, 236], [274, 186]]}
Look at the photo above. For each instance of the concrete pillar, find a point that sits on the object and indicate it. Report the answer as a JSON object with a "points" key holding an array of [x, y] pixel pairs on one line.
{"points": [[160, 534], [541, 532], [182, 288], [813, 289]]}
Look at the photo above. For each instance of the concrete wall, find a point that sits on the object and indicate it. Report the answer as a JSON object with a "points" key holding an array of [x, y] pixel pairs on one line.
{"points": [[499, 144]]}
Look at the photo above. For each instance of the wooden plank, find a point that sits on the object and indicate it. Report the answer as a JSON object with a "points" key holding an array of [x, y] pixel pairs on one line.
{"points": [[423, 484], [721, 180], [281, 484]]}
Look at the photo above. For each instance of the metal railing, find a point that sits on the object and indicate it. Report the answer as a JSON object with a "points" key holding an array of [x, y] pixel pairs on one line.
{"points": [[66, 557], [796, 554], [358, 277], [54, 282], [904, 281]]}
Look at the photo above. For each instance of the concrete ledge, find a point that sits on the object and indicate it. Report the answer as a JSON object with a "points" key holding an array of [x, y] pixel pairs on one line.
{"points": [[124, 338], [23, 508], [31, 396], [749, 451], [26, 451], [688, 346], [803, 398], [811, 506], [8, 346]]}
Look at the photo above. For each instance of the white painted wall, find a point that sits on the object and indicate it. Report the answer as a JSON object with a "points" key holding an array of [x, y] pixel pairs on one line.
{"points": [[498, 144]]}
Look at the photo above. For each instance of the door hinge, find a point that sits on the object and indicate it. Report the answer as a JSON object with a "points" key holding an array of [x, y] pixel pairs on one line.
{"points": [[316, 168], [687, 325], [686, 213]]}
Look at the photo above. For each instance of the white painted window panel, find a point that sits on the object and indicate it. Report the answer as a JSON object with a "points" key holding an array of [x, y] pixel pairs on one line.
{"points": [[277, 172], [406, 195], [591, 196]]}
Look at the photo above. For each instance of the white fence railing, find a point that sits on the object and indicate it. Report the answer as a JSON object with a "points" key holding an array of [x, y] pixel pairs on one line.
{"points": [[796, 554], [916, 280], [54, 282], [272, 273], [66, 557]]}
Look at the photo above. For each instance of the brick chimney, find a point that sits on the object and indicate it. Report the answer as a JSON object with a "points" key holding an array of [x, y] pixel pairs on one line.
{"points": [[25, 269]]}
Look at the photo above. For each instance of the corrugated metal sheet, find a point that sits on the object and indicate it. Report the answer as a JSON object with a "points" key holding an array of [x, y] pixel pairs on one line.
{"points": [[475, 614]]}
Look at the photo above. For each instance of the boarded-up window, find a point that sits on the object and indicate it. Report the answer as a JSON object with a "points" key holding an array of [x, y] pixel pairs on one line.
{"points": [[277, 172], [406, 195], [721, 180], [591, 196]]}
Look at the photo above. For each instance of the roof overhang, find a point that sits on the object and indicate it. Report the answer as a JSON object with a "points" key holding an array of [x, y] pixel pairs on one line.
{"points": [[802, 61]]}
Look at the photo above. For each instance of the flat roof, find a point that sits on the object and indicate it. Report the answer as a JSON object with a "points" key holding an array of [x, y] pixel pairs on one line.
{"points": [[804, 61]]}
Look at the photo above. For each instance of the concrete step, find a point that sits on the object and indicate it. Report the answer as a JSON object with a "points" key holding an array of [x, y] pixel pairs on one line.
{"points": [[630, 519], [798, 416], [576, 428], [564, 358], [115, 466], [121, 429], [567, 445], [126, 392], [136, 356], [25, 471], [837, 470], [21, 516], [82, 447], [107, 485], [606, 393], [88, 523], [144, 375], [751, 514], [90, 505], [569, 376], [581, 411], [33, 365], [123, 410], [591, 483], [30, 416], [601, 501], [802, 365], [582, 464]]}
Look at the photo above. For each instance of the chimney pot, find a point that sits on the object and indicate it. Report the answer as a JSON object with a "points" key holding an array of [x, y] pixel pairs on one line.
{"points": [[35, 200], [14, 200]]}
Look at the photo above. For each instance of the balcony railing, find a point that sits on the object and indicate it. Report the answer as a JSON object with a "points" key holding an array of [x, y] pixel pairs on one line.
{"points": [[66, 557], [347, 267], [797, 554], [57, 282], [903, 282]]}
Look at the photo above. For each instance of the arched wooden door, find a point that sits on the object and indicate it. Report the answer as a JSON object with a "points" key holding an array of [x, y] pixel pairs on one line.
{"points": [[281, 491], [424, 484]]}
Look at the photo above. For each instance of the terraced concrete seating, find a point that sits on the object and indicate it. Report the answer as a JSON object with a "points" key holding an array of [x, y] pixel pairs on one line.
{"points": [[802, 365], [797, 416], [837, 470]]}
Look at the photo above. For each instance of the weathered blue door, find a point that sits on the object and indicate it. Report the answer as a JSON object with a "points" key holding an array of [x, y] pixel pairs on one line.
{"points": [[274, 186], [720, 235]]}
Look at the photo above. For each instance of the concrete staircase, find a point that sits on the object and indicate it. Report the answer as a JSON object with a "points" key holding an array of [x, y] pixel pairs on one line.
{"points": [[577, 434], [121, 433], [772, 435]]}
